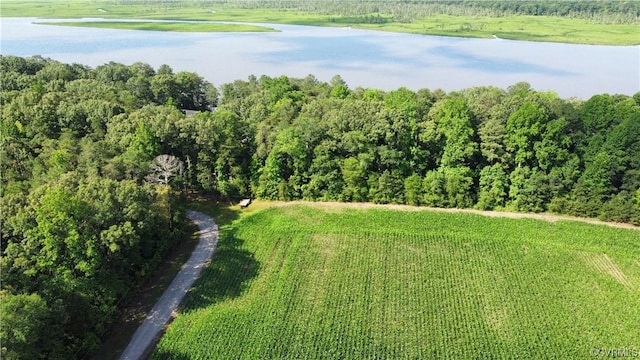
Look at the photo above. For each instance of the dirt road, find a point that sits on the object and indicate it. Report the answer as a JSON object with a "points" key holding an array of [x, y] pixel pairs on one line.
{"points": [[165, 308]]}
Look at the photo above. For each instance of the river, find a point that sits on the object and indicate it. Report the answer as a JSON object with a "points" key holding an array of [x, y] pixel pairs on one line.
{"points": [[361, 57]]}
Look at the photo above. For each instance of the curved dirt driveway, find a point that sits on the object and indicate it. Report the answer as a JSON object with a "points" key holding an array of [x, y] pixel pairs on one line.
{"points": [[166, 306]]}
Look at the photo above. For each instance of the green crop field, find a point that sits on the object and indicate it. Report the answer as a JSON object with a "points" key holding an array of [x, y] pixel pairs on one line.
{"points": [[325, 282]]}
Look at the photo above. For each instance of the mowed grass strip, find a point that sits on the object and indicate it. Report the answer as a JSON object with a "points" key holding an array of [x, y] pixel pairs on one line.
{"points": [[308, 282], [164, 26]]}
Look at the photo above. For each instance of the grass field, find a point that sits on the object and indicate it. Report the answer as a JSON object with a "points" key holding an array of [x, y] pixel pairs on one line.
{"points": [[306, 281], [535, 28], [532, 28], [164, 26]]}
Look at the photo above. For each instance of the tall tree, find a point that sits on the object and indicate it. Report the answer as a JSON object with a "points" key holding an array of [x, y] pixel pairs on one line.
{"points": [[494, 185], [453, 119], [523, 130]]}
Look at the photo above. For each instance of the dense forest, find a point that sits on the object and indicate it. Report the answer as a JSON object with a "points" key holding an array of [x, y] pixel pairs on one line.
{"points": [[95, 164]]}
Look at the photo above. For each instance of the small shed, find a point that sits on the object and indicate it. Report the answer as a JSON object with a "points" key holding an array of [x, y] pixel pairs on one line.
{"points": [[189, 112], [244, 203]]}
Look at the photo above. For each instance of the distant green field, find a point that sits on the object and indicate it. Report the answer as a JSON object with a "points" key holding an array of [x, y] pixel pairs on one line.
{"points": [[322, 282], [534, 28], [164, 26]]}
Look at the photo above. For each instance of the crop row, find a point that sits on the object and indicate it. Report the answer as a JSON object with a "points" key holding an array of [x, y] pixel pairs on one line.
{"points": [[348, 292]]}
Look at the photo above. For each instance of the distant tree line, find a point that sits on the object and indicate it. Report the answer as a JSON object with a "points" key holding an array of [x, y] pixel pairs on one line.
{"points": [[94, 162], [378, 11], [602, 11]]}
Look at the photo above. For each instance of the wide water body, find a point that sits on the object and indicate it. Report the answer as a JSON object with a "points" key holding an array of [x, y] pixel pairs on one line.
{"points": [[363, 58]]}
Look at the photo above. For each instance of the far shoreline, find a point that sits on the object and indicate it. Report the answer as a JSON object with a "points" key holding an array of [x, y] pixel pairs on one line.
{"points": [[175, 26], [220, 26], [538, 28]]}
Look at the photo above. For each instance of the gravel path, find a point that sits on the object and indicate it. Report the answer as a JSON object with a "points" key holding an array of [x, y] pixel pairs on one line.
{"points": [[165, 308]]}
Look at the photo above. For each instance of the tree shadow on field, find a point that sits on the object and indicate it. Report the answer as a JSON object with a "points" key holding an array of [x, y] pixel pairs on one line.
{"points": [[227, 275], [223, 212]]}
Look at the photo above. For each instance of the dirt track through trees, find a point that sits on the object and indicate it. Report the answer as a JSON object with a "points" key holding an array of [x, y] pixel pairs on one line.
{"points": [[167, 305]]}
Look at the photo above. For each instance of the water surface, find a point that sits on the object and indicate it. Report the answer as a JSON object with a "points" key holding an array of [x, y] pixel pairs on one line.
{"points": [[362, 57]]}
